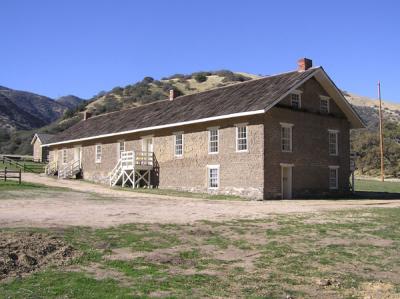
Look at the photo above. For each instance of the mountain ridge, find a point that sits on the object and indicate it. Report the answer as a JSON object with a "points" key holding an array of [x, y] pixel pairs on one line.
{"points": [[23, 110]]}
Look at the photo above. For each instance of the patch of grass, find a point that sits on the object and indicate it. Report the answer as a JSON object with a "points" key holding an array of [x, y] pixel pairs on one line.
{"points": [[58, 284], [13, 190], [377, 186], [177, 193], [35, 166], [183, 286], [137, 237], [11, 185]]}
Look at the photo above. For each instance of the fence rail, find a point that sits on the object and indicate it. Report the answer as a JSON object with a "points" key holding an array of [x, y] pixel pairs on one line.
{"points": [[6, 174]]}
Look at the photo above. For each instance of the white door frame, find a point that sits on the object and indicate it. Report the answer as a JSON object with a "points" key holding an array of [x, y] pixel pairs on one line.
{"points": [[145, 143], [289, 167], [76, 147]]}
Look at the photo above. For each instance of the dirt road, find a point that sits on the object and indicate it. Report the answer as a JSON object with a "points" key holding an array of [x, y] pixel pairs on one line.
{"points": [[99, 206]]}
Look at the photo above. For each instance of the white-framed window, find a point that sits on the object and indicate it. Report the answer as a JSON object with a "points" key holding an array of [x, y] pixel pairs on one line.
{"points": [[333, 177], [286, 137], [333, 142], [178, 144], [64, 156], [98, 152], [295, 99], [213, 140], [241, 138], [213, 176], [121, 147], [324, 104]]}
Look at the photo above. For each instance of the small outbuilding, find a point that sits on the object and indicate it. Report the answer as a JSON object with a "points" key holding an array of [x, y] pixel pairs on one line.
{"points": [[40, 154]]}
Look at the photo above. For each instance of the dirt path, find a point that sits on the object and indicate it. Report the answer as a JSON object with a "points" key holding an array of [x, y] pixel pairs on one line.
{"points": [[99, 206]]}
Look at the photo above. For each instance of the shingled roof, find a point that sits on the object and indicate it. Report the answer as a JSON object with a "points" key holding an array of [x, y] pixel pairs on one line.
{"points": [[44, 138], [250, 97]]}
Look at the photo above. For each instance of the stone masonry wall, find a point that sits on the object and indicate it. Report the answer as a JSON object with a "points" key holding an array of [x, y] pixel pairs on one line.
{"points": [[310, 152], [241, 173]]}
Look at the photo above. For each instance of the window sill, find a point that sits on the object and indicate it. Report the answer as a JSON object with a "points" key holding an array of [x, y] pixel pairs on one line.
{"points": [[287, 151], [212, 153], [242, 151]]}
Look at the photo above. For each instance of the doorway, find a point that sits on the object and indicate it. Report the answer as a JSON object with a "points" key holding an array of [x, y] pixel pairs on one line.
{"points": [[147, 148], [147, 144], [286, 181], [78, 154]]}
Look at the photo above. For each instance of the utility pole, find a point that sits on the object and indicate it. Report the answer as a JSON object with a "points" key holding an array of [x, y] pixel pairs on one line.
{"points": [[381, 132]]}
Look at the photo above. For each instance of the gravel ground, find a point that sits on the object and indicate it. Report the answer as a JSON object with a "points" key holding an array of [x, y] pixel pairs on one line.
{"points": [[94, 205]]}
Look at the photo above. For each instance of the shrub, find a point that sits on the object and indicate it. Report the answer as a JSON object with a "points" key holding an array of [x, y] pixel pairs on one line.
{"points": [[200, 78], [68, 113], [147, 80]]}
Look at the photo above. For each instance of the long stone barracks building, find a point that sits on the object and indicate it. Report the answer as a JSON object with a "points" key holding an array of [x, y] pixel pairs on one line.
{"points": [[280, 136]]}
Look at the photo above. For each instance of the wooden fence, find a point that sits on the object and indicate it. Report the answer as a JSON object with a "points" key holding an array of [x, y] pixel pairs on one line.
{"points": [[38, 168], [6, 174]]}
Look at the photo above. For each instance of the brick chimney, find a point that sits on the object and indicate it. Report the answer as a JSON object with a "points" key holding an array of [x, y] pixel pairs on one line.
{"points": [[171, 94], [304, 64], [86, 115]]}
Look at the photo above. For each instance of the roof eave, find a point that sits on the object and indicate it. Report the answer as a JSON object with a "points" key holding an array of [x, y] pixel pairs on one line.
{"points": [[353, 117], [34, 139]]}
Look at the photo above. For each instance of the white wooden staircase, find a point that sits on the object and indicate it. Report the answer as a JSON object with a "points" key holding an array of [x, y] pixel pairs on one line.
{"points": [[132, 169], [69, 170], [51, 168]]}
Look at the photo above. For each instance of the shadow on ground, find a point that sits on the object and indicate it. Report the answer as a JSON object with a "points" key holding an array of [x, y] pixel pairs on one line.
{"points": [[375, 195]]}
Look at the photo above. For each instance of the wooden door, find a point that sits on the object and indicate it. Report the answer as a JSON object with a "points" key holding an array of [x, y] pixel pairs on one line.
{"points": [[286, 182]]}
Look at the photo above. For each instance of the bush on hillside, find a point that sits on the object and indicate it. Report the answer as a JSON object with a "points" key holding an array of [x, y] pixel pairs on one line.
{"points": [[235, 78], [147, 80], [117, 90], [200, 78]]}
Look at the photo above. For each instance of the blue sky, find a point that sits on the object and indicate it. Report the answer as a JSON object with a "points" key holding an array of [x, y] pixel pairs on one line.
{"points": [[81, 47]]}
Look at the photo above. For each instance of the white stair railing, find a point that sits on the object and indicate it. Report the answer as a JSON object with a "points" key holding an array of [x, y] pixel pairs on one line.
{"points": [[125, 165], [115, 174], [69, 170], [51, 168]]}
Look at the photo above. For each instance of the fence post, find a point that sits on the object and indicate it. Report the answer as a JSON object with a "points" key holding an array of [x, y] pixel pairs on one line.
{"points": [[5, 174], [19, 179]]}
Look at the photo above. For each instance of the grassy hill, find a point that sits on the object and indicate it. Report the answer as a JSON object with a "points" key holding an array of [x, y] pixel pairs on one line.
{"points": [[150, 90]]}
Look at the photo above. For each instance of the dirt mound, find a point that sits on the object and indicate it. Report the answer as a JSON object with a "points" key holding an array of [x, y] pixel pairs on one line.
{"points": [[22, 253]]}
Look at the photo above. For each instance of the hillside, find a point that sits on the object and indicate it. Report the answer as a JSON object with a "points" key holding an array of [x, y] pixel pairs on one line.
{"points": [[21, 110], [368, 109], [150, 90]]}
